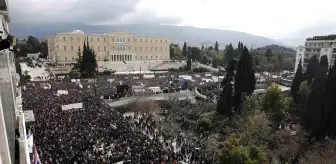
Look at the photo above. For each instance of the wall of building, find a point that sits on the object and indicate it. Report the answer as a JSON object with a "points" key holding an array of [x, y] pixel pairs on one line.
{"points": [[116, 46], [317, 48]]}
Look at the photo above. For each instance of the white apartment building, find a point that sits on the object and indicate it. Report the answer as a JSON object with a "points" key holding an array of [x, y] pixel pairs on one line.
{"points": [[319, 46]]}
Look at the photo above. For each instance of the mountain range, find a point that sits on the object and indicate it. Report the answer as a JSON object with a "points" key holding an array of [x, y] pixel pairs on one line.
{"points": [[178, 34]]}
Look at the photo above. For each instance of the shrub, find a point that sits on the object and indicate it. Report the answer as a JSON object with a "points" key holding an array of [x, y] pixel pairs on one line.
{"points": [[234, 152], [74, 74]]}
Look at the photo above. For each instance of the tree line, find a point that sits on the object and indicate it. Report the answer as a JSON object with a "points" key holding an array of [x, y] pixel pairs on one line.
{"points": [[262, 60], [315, 92]]}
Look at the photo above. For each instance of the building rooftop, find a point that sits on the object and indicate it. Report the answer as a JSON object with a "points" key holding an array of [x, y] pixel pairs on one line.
{"points": [[326, 37]]}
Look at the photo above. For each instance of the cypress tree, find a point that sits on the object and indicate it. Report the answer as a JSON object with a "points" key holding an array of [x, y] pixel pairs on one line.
{"points": [[189, 61], [311, 69], [244, 78], [296, 83], [225, 101], [268, 54], [329, 114], [184, 50], [216, 47], [313, 114], [228, 54]]}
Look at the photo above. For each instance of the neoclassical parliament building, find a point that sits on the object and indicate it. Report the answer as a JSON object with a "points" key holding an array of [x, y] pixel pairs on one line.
{"points": [[113, 47]]}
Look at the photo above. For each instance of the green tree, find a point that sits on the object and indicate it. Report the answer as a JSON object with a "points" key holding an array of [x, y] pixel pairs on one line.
{"points": [[312, 116], [329, 114], [304, 92], [225, 101], [33, 45], [244, 79], [234, 152], [215, 62], [240, 48], [268, 54], [205, 60], [311, 69], [275, 103], [228, 53], [88, 65], [78, 60], [296, 83], [44, 49], [184, 50], [189, 61], [216, 47]]}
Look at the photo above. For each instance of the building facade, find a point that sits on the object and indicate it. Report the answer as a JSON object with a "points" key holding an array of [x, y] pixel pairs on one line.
{"points": [[318, 46], [113, 47]]}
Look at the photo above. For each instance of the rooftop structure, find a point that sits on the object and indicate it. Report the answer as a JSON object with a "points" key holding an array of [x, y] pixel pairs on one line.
{"points": [[318, 46]]}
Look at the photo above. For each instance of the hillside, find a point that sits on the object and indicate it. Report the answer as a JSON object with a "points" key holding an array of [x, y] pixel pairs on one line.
{"points": [[191, 35], [276, 48]]}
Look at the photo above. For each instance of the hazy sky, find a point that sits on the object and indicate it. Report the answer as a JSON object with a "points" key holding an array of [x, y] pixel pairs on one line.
{"points": [[289, 21]]}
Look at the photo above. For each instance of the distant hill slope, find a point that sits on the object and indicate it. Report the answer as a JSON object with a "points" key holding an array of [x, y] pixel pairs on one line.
{"points": [[276, 48], [191, 35]]}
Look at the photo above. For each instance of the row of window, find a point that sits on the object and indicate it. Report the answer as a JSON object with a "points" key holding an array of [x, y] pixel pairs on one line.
{"points": [[118, 48], [119, 40], [123, 58], [326, 44]]}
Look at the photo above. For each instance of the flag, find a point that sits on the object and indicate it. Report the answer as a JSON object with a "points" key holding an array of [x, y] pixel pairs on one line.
{"points": [[36, 158]]}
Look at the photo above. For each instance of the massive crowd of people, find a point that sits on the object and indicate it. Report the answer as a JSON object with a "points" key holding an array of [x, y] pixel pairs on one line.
{"points": [[98, 134]]}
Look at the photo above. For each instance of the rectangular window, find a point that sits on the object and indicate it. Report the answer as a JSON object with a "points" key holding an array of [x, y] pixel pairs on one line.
{"points": [[141, 57], [98, 48], [135, 40], [141, 40], [77, 38], [166, 41], [151, 48], [161, 48], [78, 48], [146, 48], [146, 40], [151, 41], [128, 40], [71, 38], [326, 50], [65, 58], [112, 39], [156, 49], [156, 41], [135, 48], [64, 39], [104, 48], [146, 57], [151, 57], [91, 39], [71, 48], [73, 58], [97, 39], [140, 48], [64, 48], [104, 39], [129, 48]]}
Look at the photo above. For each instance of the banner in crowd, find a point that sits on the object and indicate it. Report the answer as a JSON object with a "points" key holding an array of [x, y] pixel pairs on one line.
{"points": [[30, 143], [62, 92], [151, 76], [72, 106], [36, 158]]}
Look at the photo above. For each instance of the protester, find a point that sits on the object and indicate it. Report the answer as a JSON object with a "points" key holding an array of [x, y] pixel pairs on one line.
{"points": [[96, 133]]}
